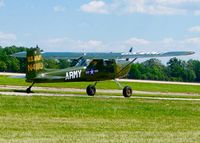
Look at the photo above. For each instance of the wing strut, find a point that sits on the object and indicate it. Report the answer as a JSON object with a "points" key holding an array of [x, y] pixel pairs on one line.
{"points": [[126, 66]]}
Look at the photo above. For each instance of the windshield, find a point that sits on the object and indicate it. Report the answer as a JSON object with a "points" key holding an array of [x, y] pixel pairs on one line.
{"points": [[83, 62]]}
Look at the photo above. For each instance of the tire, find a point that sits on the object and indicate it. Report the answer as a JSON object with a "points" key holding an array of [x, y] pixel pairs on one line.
{"points": [[127, 91], [91, 90]]}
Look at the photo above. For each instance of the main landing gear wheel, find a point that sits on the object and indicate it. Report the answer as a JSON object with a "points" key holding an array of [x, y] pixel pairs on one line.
{"points": [[127, 91], [91, 90]]}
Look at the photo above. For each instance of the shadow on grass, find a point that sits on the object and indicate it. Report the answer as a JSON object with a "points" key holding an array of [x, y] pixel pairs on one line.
{"points": [[21, 91]]}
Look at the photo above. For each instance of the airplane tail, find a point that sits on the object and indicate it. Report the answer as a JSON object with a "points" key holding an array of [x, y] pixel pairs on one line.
{"points": [[35, 64]]}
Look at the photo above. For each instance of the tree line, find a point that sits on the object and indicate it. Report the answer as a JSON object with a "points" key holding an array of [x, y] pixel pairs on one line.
{"points": [[152, 69], [175, 70], [9, 63]]}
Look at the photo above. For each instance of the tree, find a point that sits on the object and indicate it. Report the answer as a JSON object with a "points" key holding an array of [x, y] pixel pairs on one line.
{"points": [[176, 69], [3, 66], [195, 66], [63, 63], [154, 70], [189, 75], [9, 63], [51, 64], [134, 72], [13, 49], [13, 64]]}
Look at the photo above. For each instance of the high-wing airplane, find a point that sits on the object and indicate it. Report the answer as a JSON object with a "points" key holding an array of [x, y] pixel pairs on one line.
{"points": [[90, 67]]}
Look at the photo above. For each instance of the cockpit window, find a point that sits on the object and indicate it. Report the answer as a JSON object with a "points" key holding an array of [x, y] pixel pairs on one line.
{"points": [[96, 64], [109, 65], [102, 65]]}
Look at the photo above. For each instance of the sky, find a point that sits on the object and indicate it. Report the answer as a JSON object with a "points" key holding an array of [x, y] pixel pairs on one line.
{"points": [[102, 25]]}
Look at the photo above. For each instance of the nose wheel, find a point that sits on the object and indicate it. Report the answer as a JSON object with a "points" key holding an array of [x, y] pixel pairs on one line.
{"points": [[91, 90]]}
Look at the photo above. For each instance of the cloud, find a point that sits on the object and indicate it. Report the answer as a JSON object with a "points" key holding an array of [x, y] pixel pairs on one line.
{"points": [[1, 3], [165, 44], [67, 44], [197, 12], [59, 8], [137, 41], [194, 29], [95, 7], [57, 41], [151, 7], [167, 41], [91, 44], [169, 44], [193, 41], [140, 44], [172, 2], [7, 38]]}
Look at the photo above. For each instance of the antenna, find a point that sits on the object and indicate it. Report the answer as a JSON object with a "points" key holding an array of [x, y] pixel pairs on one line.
{"points": [[131, 49]]}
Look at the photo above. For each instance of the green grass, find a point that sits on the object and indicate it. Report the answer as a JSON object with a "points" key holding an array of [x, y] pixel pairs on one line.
{"points": [[108, 85], [75, 119], [106, 94]]}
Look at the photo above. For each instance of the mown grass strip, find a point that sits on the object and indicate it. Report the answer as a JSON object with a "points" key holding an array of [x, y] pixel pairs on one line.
{"points": [[99, 94], [69, 119], [4, 80]]}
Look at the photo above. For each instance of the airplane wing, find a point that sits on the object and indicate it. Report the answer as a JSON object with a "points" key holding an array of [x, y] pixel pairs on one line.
{"points": [[76, 55]]}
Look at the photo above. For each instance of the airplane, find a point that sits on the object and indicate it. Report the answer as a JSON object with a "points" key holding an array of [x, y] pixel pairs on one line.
{"points": [[93, 67]]}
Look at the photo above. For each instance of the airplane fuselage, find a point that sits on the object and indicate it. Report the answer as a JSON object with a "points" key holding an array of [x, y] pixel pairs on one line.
{"points": [[97, 70]]}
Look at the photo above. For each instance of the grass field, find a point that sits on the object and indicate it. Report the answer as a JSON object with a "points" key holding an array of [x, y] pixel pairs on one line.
{"points": [[98, 120], [75, 119]]}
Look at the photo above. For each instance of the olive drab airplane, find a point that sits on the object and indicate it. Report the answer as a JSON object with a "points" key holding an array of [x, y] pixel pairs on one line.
{"points": [[90, 67]]}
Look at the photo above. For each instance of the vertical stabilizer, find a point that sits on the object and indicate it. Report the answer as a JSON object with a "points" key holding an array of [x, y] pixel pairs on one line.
{"points": [[35, 64]]}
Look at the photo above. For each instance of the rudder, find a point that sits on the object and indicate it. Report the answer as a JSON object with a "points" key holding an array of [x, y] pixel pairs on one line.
{"points": [[35, 64]]}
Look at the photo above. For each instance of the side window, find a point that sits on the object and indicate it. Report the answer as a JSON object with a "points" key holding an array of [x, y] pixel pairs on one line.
{"points": [[92, 64], [109, 65], [96, 64]]}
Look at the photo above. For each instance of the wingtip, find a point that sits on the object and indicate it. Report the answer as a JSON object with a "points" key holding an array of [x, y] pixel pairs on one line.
{"points": [[191, 52]]}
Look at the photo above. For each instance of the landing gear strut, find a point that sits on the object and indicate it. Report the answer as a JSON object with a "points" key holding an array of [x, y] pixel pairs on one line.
{"points": [[91, 89], [127, 90], [28, 90]]}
